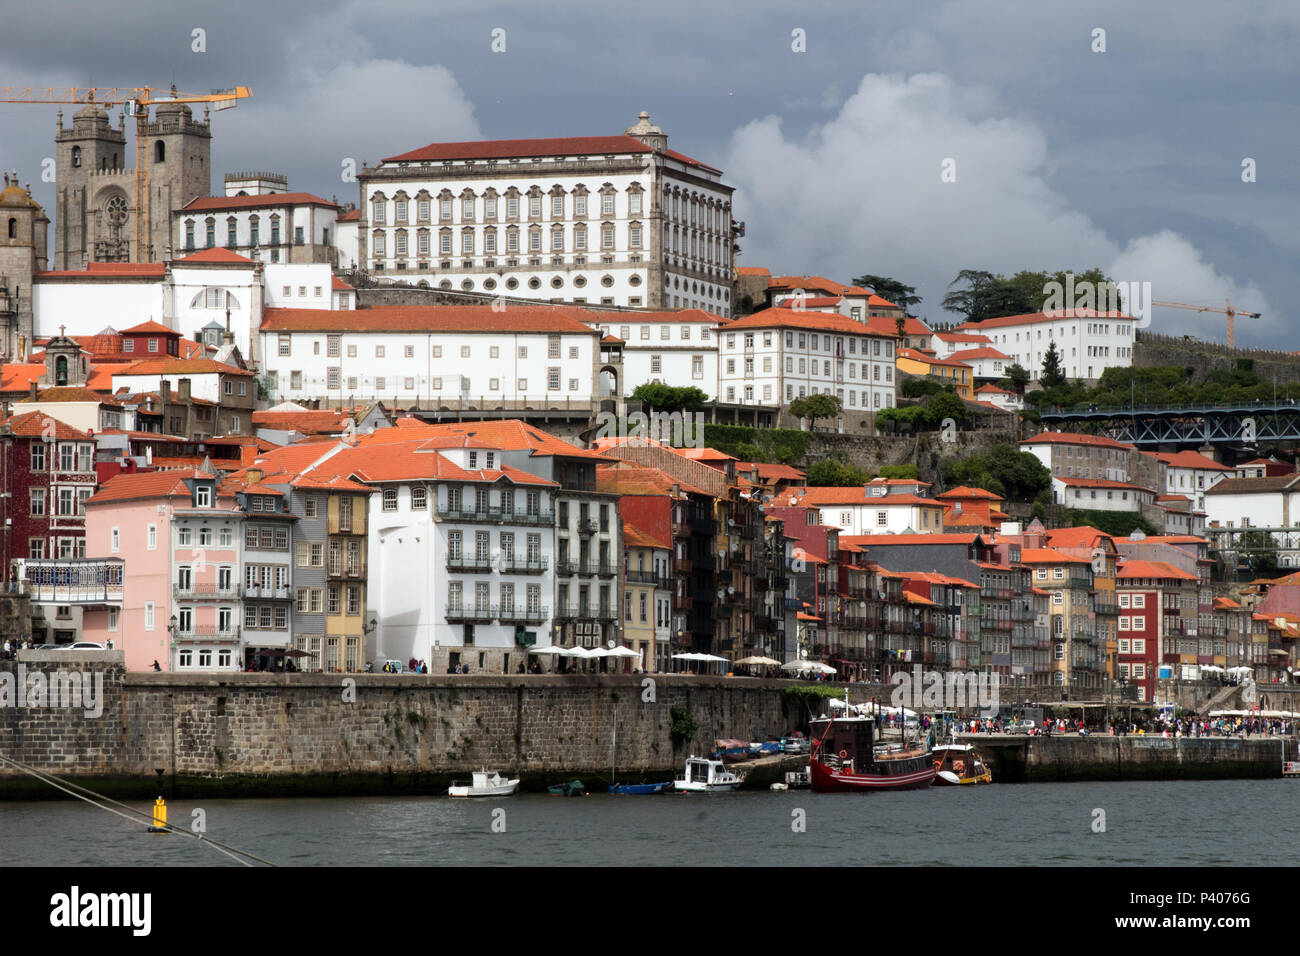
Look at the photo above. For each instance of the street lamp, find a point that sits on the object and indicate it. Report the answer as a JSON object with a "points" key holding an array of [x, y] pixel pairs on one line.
{"points": [[171, 630]]}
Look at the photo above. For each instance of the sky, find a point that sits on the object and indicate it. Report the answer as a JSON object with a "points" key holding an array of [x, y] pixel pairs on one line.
{"points": [[907, 139]]}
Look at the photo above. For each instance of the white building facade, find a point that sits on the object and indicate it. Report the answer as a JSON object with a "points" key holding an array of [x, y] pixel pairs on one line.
{"points": [[777, 355], [672, 348], [613, 220], [1088, 342], [516, 358]]}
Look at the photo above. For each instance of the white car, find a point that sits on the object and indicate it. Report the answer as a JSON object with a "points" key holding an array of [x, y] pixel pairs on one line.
{"points": [[85, 646]]}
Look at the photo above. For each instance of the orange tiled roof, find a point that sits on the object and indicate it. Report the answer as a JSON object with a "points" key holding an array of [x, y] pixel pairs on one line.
{"points": [[205, 203], [431, 318], [311, 422], [216, 254], [150, 328], [1048, 556], [145, 484], [40, 425], [1074, 438], [780, 317], [1152, 569], [1035, 318], [525, 148], [180, 366]]}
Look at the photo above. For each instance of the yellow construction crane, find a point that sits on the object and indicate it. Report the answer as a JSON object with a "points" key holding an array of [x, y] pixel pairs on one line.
{"points": [[1230, 312], [135, 101]]}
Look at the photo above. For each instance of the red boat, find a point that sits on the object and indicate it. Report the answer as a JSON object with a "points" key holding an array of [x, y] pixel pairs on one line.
{"points": [[845, 759]]}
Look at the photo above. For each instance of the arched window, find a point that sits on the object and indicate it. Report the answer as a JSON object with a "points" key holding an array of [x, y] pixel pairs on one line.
{"points": [[159, 151], [214, 297], [61, 370], [76, 157]]}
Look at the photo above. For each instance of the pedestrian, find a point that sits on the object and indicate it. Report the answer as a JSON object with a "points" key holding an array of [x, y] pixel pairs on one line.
{"points": [[155, 665]]}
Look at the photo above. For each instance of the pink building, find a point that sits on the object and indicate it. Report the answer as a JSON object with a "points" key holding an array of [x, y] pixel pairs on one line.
{"points": [[178, 533]]}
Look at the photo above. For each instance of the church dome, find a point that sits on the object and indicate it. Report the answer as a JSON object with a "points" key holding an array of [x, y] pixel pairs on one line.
{"points": [[15, 195]]}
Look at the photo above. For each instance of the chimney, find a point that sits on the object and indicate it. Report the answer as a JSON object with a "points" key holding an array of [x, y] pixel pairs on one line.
{"points": [[33, 394], [183, 386], [165, 390]]}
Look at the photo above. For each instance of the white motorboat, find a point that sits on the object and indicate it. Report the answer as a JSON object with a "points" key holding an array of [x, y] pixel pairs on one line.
{"points": [[706, 776], [484, 784]]}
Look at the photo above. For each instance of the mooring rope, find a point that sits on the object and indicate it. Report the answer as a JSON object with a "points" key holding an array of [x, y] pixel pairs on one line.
{"points": [[102, 802]]}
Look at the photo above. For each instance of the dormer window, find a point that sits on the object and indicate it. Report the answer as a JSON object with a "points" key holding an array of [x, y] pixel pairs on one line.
{"points": [[153, 345], [203, 496]]}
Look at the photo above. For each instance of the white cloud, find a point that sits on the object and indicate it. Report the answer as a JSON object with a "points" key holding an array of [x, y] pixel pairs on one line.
{"points": [[863, 193], [350, 110]]}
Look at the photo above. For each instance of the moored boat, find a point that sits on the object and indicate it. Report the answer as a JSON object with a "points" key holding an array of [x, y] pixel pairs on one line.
{"points": [[574, 788], [706, 776], [846, 759], [635, 789], [484, 784], [959, 765]]}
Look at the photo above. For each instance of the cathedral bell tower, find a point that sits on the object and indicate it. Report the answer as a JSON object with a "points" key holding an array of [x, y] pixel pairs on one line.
{"points": [[23, 231]]}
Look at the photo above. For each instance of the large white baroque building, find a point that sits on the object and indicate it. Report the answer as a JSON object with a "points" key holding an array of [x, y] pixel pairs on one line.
{"points": [[607, 220], [671, 348]]}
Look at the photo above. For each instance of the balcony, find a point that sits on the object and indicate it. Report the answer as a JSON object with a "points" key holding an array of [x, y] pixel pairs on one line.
{"points": [[469, 563], [581, 613], [482, 613], [521, 614], [682, 603], [513, 564], [268, 592], [641, 576], [205, 592], [81, 581], [498, 516], [588, 526], [207, 633]]}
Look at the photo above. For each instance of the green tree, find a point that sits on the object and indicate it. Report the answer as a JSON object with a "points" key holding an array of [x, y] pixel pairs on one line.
{"points": [[973, 301], [1003, 470], [945, 405], [1017, 378], [839, 474], [903, 296], [669, 398], [1052, 376], [813, 407], [902, 472]]}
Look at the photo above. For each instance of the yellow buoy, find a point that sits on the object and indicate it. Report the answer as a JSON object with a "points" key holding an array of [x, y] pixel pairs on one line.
{"points": [[159, 817]]}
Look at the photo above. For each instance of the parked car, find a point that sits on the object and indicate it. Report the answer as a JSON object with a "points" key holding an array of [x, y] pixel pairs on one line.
{"points": [[1022, 727], [85, 646], [795, 745]]}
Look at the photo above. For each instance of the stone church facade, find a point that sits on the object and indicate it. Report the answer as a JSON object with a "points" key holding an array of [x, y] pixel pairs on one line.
{"points": [[95, 214], [23, 235]]}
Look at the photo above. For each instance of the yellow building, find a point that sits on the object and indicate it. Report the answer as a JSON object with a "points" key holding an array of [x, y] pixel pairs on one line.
{"points": [[948, 371], [1076, 649], [647, 595]]}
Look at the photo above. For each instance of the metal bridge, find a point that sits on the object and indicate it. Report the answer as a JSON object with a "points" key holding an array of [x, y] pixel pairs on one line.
{"points": [[1194, 425]]}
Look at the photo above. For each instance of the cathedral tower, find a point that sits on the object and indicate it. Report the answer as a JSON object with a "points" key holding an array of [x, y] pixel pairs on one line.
{"points": [[23, 231]]}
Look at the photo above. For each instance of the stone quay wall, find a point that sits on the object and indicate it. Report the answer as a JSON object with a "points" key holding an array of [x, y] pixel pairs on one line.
{"points": [[318, 733]]}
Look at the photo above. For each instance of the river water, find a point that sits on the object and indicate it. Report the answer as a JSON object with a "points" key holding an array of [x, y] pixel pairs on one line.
{"points": [[1176, 823]]}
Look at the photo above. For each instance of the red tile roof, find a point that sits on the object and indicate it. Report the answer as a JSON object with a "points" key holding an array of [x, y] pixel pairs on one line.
{"points": [[352, 215], [216, 255], [1074, 438], [180, 366], [1190, 459], [40, 425], [1048, 556], [671, 316], [109, 270], [149, 328], [431, 318], [815, 284], [506, 434], [964, 491], [1152, 569], [19, 378], [963, 337], [145, 484], [524, 148], [73, 393], [1100, 483], [1034, 318], [311, 422], [634, 537], [917, 356], [206, 203], [865, 540], [780, 317], [338, 285], [752, 271], [967, 355]]}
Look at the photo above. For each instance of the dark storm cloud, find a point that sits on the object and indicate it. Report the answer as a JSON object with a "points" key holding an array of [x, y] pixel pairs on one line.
{"points": [[1128, 158]]}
